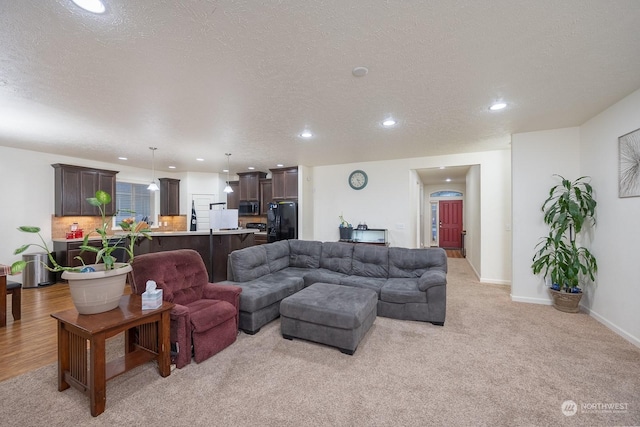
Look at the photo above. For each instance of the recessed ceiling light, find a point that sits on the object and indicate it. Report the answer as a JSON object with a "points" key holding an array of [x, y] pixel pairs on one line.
{"points": [[172, 167], [306, 134], [442, 167], [279, 165], [122, 158], [448, 179], [225, 170], [251, 168], [497, 106], [360, 71], [93, 6], [388, 123], [200, 160]]}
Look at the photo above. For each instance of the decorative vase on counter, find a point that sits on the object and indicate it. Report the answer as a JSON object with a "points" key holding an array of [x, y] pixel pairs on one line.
{"points": [[98, 291], [346, 233]]}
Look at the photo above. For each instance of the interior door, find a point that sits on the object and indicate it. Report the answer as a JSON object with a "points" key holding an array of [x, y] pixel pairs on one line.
{"points": [[201, 202], [450, 224]]}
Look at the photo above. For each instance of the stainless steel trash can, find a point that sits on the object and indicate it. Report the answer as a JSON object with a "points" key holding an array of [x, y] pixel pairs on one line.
{"points": [[35, 273]]}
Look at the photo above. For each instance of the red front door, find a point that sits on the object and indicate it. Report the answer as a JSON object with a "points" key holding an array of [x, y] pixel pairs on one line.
{"points": [[450, 224]]}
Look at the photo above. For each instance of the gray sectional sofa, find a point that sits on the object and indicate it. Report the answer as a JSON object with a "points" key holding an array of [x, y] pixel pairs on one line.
{"points": [[410, 283]]}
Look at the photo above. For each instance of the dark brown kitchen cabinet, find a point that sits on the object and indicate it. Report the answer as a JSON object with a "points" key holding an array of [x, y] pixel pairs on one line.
{"points": [[266, 195], [250, 185], [169, 196], [284, 183], [233, 199], [74, 184], [67, 251]]}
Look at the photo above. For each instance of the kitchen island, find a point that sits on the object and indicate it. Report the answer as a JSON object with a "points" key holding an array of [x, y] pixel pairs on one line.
{"points": [[213, 247]]}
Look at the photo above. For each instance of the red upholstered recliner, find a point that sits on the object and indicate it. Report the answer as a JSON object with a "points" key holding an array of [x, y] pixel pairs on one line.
{"points": [[205, 314]]}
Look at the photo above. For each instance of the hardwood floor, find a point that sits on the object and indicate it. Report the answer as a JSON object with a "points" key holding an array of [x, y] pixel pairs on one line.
{"points": [[32, 341], [454, 253]]}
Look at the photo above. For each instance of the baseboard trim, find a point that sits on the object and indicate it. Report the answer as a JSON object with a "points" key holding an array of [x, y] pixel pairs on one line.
{"points": [[496, 281], [529, 300], [624, 334]]}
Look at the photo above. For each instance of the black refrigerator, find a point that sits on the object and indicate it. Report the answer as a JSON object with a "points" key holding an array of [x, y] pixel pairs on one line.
{"points": [[282, 221]]}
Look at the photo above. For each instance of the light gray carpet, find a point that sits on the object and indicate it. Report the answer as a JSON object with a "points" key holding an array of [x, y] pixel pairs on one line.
{"points": [[494, 362]]}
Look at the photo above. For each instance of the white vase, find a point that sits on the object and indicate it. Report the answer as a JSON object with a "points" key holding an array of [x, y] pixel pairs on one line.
{"points": [[98, 291]]}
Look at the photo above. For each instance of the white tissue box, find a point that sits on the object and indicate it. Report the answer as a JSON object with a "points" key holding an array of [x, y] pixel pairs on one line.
{"points": [[151, 299]]}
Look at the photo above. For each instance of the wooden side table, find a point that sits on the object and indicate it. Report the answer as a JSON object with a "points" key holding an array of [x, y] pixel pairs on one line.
{"points": [[4, 271], [146, 339]]}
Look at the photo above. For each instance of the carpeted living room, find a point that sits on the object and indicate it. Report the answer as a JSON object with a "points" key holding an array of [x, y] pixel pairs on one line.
{"points": [[494, 362], [426, 125]]}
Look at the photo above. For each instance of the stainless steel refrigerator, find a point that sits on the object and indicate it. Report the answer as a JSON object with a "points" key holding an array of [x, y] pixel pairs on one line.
{"points": [[282, 221]]}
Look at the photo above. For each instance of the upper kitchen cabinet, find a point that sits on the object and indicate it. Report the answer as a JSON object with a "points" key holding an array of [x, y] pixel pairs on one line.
{"points": [[169, 196], [285, 183], [250, 185], [74, 184], [233, 199], [266, 195]]}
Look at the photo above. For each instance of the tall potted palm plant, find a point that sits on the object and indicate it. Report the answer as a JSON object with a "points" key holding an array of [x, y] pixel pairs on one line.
{"points": [[569, 208]]}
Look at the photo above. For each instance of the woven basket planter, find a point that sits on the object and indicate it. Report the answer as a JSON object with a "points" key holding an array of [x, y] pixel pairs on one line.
{"points": [[566, 302]]}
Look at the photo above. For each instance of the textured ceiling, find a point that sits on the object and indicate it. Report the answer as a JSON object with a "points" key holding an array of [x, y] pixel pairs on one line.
{"points": [[199, 78]]}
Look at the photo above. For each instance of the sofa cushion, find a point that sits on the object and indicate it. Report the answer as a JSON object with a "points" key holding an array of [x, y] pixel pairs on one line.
{"points": [[337, 256], [249, 263], [410, 263], [266, 290], [370, 261], [278, 255], [432, 278], [304, 253], [374, 283], [322, 275], [402, 290]]}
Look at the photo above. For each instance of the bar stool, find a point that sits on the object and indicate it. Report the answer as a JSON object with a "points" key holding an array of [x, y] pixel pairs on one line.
{"points": [[15, 289]]}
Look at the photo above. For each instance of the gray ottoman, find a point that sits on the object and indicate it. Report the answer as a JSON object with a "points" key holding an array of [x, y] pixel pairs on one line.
{"points": [[335, 315]]}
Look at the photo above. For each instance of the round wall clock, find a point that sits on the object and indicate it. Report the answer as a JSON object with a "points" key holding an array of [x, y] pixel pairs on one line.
{"points": [[358, 180]]}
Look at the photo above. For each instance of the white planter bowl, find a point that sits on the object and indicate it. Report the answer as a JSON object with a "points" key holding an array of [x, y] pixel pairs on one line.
{"points": [[98, 291]]}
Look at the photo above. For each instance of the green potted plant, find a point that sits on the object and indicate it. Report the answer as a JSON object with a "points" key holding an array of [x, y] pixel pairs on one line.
{"points": [[94, 288], [568, 209]]}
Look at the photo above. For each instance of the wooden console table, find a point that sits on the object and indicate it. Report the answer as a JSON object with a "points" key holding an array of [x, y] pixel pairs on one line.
{"points": [[146, 339]]}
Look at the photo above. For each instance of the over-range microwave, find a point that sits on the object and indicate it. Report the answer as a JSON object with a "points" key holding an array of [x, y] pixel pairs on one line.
{"points": [[249, 208]]}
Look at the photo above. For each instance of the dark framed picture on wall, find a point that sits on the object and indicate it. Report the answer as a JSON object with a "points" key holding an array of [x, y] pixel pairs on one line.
{"points": [[629, 164]]}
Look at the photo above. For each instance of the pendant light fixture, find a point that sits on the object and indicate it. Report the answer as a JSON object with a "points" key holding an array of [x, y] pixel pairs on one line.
{"points": [[153, 186], [228, 188]]}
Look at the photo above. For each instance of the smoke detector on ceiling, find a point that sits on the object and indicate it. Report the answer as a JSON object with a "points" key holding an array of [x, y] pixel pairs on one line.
{"points": [[360, 71]]}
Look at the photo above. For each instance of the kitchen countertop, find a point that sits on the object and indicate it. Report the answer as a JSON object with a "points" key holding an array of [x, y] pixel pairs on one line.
{"points": [[173, 233]]}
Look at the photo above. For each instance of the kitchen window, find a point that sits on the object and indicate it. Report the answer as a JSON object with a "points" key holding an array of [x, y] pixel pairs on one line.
{"points": [[136, 198]]}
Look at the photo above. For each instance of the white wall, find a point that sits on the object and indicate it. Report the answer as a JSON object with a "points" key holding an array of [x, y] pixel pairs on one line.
{"points": [[391, 198], [536, 156], [615, 300], [200, 183], [589, 150], [473, 222], [305, 202]]}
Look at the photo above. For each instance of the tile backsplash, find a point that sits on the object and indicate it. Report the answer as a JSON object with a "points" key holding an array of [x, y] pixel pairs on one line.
{"points": [[61, 225]]}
